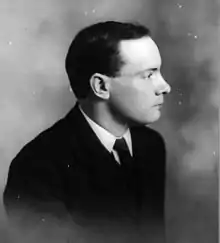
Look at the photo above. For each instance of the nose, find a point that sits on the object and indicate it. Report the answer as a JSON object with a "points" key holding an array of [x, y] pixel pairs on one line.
{"points": [[163, 87]]}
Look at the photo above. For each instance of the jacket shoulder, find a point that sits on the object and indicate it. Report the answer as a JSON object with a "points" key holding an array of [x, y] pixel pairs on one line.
{"points": [[36, 173], [49, 143]]}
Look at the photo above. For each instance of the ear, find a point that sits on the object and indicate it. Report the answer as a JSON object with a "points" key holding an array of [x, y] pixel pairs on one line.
{"points": [[100, 85]]}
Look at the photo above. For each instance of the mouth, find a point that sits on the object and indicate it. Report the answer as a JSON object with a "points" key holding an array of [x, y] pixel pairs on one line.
{"points": [[159, 104]]}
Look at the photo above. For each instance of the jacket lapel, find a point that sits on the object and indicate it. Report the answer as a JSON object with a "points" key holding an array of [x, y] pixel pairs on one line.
{"points": [[87, 143], [85, 139]]}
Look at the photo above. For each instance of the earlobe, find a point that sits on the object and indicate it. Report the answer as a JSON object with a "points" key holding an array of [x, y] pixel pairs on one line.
{"points": [[99, 85]]}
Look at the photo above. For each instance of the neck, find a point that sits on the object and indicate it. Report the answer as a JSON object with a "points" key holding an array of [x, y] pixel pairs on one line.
{"points": [[100, 113]]}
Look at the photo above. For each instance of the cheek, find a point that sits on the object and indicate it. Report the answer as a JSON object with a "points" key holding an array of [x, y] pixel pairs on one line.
{"points": [[134, 94], [139, 85], [135, 100], [142, 93]]}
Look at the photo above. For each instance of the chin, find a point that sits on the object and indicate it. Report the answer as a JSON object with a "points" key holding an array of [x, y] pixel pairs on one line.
{"points": [[142, 122], [143, 119], [150, 119]]}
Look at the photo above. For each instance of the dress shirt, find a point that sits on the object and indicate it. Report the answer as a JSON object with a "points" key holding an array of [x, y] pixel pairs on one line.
{"points": [[107, 138]]}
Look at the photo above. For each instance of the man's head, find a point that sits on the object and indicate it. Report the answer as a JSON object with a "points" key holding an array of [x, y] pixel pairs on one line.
{"points": [[119, 64]]}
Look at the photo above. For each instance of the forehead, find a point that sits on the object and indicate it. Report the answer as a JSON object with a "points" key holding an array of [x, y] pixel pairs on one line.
{"points": [[139, 54]]}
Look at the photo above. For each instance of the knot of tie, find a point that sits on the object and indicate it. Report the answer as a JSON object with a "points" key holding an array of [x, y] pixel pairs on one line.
{"points": [[121, 148], [120, 144]]}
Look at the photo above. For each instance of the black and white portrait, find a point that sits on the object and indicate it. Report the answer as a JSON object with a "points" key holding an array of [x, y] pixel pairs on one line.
{"points": [[109, 122]]}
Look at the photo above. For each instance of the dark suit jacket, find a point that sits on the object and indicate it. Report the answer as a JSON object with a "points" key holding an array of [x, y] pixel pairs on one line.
{"points": [[67, 171]]}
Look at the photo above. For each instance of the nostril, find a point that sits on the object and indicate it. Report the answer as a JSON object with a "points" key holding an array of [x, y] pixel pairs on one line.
{"points": [[167, 88]]}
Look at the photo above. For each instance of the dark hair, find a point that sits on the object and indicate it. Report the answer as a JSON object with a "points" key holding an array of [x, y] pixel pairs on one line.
{"points": [[95, 50]]}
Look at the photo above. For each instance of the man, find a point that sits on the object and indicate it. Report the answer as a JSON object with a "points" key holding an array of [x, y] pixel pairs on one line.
{"points": [[100, 164]]}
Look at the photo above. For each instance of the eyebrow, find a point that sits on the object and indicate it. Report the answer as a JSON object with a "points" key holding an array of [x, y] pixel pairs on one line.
{"points": [[147, 70], [151, 69]]}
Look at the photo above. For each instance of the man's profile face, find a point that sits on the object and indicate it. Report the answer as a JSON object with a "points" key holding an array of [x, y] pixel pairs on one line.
{"points": [[137, 91]]}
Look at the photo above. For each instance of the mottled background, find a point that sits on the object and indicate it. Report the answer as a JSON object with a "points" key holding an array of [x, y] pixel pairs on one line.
{"points": [[34, 92]]}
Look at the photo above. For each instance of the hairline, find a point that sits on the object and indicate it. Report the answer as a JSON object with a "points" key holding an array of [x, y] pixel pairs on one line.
{"points": [[120, 56]]}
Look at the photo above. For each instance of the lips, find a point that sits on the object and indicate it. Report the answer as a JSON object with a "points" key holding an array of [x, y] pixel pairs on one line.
{"points": [[159, 104]]}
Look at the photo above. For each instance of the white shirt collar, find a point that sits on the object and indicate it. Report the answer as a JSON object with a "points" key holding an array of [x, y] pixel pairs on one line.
{"points": [[106, 138]]}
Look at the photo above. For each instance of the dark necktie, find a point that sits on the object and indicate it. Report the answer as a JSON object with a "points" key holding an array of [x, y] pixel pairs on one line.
{"points": [[121, 148]]}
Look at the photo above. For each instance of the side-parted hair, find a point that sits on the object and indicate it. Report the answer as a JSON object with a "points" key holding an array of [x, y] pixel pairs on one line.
{"points": [[95, 50]]}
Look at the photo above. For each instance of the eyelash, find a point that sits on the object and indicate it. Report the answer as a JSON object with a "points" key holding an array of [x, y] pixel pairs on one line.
{"points": [[150, 74]]}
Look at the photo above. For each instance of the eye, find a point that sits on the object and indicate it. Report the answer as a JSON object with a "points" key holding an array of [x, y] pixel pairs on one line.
{"points": [[150, 74]]}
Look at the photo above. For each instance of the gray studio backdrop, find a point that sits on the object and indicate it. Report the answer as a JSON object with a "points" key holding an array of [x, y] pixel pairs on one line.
{"points": [[34, 92]]}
